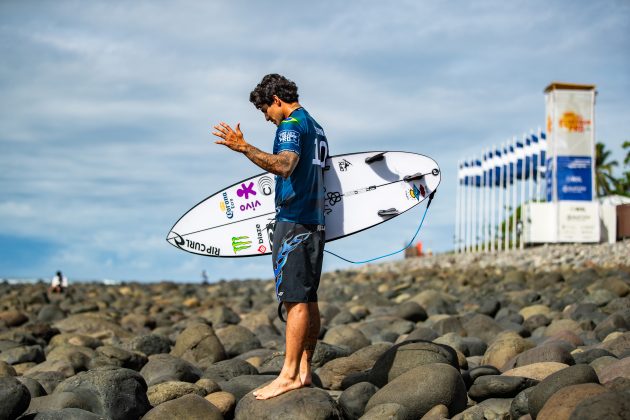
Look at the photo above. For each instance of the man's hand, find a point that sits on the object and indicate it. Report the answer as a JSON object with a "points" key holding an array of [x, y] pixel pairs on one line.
{"points": [[231, 138]]}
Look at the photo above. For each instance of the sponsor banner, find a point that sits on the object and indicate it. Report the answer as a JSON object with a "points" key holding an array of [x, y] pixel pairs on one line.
{"points": [[571, 147], [549, 173], [570, 122], [578, 221], [575, 178]]}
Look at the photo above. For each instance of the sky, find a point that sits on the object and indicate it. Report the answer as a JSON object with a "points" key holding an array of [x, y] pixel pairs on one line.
{"points": [[107, 108]]}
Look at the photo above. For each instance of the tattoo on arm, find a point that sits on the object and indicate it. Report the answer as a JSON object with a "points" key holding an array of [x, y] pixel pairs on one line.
{"points": [[281, 164]]}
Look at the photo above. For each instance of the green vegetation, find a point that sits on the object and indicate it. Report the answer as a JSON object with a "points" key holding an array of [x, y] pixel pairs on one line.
{"points": [[605, 181]]}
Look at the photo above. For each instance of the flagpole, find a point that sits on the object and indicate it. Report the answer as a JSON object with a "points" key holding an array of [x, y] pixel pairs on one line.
{"points": [[542, 164], [484, 229], [523, 179], [501, 198], [474, 207], [492, 197], [514, 193], [458, 207], [470, 205], [530, 184], [482, 204], [508, 199], [507, 196]]}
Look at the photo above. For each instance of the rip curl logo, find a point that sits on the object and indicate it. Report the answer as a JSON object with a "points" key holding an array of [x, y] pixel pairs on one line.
{"points": [[246, 191], [239, 243], [289, 137], [179, 241], [195, 246]]}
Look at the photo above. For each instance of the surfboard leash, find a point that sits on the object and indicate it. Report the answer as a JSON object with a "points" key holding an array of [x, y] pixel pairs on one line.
{"points": [[395, 252]]}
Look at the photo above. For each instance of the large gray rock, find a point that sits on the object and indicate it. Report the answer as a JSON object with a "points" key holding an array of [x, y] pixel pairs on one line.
{"points": [[244, 384], [411, 311], [520, 404], [114, 393], [48, 380], [237, 339], [166, 391], [164, 367], [300, 404], [199, 344], [353, 400], [384, 328], [63, 414], [34, 388], [573, 375], [51, 313], [95, 324], [228, 369], [220, 316], [58, 401], [334, 373], [116, 356], [423, 387], [189, 407], [23, 354], [346, 336], [493, 408], [563, 402], [149, 344], [14, 398], [389, 411], [552, 352], [408, 355], [608, 405], [78, 356], [497, 386]]}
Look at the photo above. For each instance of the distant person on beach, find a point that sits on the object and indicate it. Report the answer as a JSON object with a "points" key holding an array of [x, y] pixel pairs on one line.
{"points": [[59, 283], [204, 277], [300, 149]]}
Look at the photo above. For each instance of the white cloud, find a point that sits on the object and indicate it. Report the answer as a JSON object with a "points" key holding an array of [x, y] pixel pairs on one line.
{"points": [[107, 108]]}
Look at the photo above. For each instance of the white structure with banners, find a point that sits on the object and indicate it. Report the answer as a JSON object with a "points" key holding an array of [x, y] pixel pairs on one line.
{"points": [[571, 214]]}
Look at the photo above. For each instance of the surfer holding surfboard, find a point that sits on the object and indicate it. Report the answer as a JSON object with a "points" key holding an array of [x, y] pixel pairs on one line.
{"points": [[300, 150]]}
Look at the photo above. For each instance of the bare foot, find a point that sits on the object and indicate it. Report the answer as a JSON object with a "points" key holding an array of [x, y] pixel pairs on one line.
{"points": [[279, 386], [305, 376]]}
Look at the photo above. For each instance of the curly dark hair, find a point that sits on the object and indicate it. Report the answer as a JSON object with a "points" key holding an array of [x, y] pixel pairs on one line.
{"points": [[273, 84]]}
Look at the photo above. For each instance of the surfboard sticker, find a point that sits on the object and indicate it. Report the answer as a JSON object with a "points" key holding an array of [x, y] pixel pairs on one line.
{"points": [[237, 221]]}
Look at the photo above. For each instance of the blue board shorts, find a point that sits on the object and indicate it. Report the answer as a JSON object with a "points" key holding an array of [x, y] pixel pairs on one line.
{"points": [[297, 255]]}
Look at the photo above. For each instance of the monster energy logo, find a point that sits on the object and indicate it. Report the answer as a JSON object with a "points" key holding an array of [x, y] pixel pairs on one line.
{"points": [[240, 243]]}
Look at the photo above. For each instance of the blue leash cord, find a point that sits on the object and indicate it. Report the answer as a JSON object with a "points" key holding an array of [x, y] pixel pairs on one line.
{"points": [[392, 253]]}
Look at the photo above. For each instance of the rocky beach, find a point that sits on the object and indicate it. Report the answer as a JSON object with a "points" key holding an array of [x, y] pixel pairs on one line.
{"points": [[542, 333]]}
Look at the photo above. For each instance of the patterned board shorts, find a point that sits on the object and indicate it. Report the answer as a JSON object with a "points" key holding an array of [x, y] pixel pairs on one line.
{"points": [[298, 253]]}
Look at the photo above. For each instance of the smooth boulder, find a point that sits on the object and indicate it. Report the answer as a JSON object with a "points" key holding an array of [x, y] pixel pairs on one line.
{"points": [[422, 388], [299, 404]]}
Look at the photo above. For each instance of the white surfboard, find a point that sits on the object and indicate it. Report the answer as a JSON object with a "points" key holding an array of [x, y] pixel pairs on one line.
{"points": [[362, 191]]}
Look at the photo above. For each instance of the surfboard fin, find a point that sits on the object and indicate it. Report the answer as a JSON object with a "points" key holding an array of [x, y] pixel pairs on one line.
{"points": [[388, 212], [413, 177], [375, 158]]}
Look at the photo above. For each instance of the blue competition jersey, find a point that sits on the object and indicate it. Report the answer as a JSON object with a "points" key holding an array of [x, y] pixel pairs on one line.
{"points": [[300, 197]]}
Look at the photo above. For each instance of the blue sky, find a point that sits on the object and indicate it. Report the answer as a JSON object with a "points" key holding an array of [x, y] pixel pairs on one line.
{"points": [[106, 110]]}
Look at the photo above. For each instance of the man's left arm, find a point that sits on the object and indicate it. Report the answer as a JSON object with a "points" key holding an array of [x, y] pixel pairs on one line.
{"points": [[281, 164]]}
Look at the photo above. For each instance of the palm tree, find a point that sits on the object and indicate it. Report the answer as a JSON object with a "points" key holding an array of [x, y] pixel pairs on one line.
{"points": [[623, 184], [603, 171]]}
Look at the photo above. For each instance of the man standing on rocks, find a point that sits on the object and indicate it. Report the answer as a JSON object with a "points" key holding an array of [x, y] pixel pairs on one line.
{"points": [[299, 154]]}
